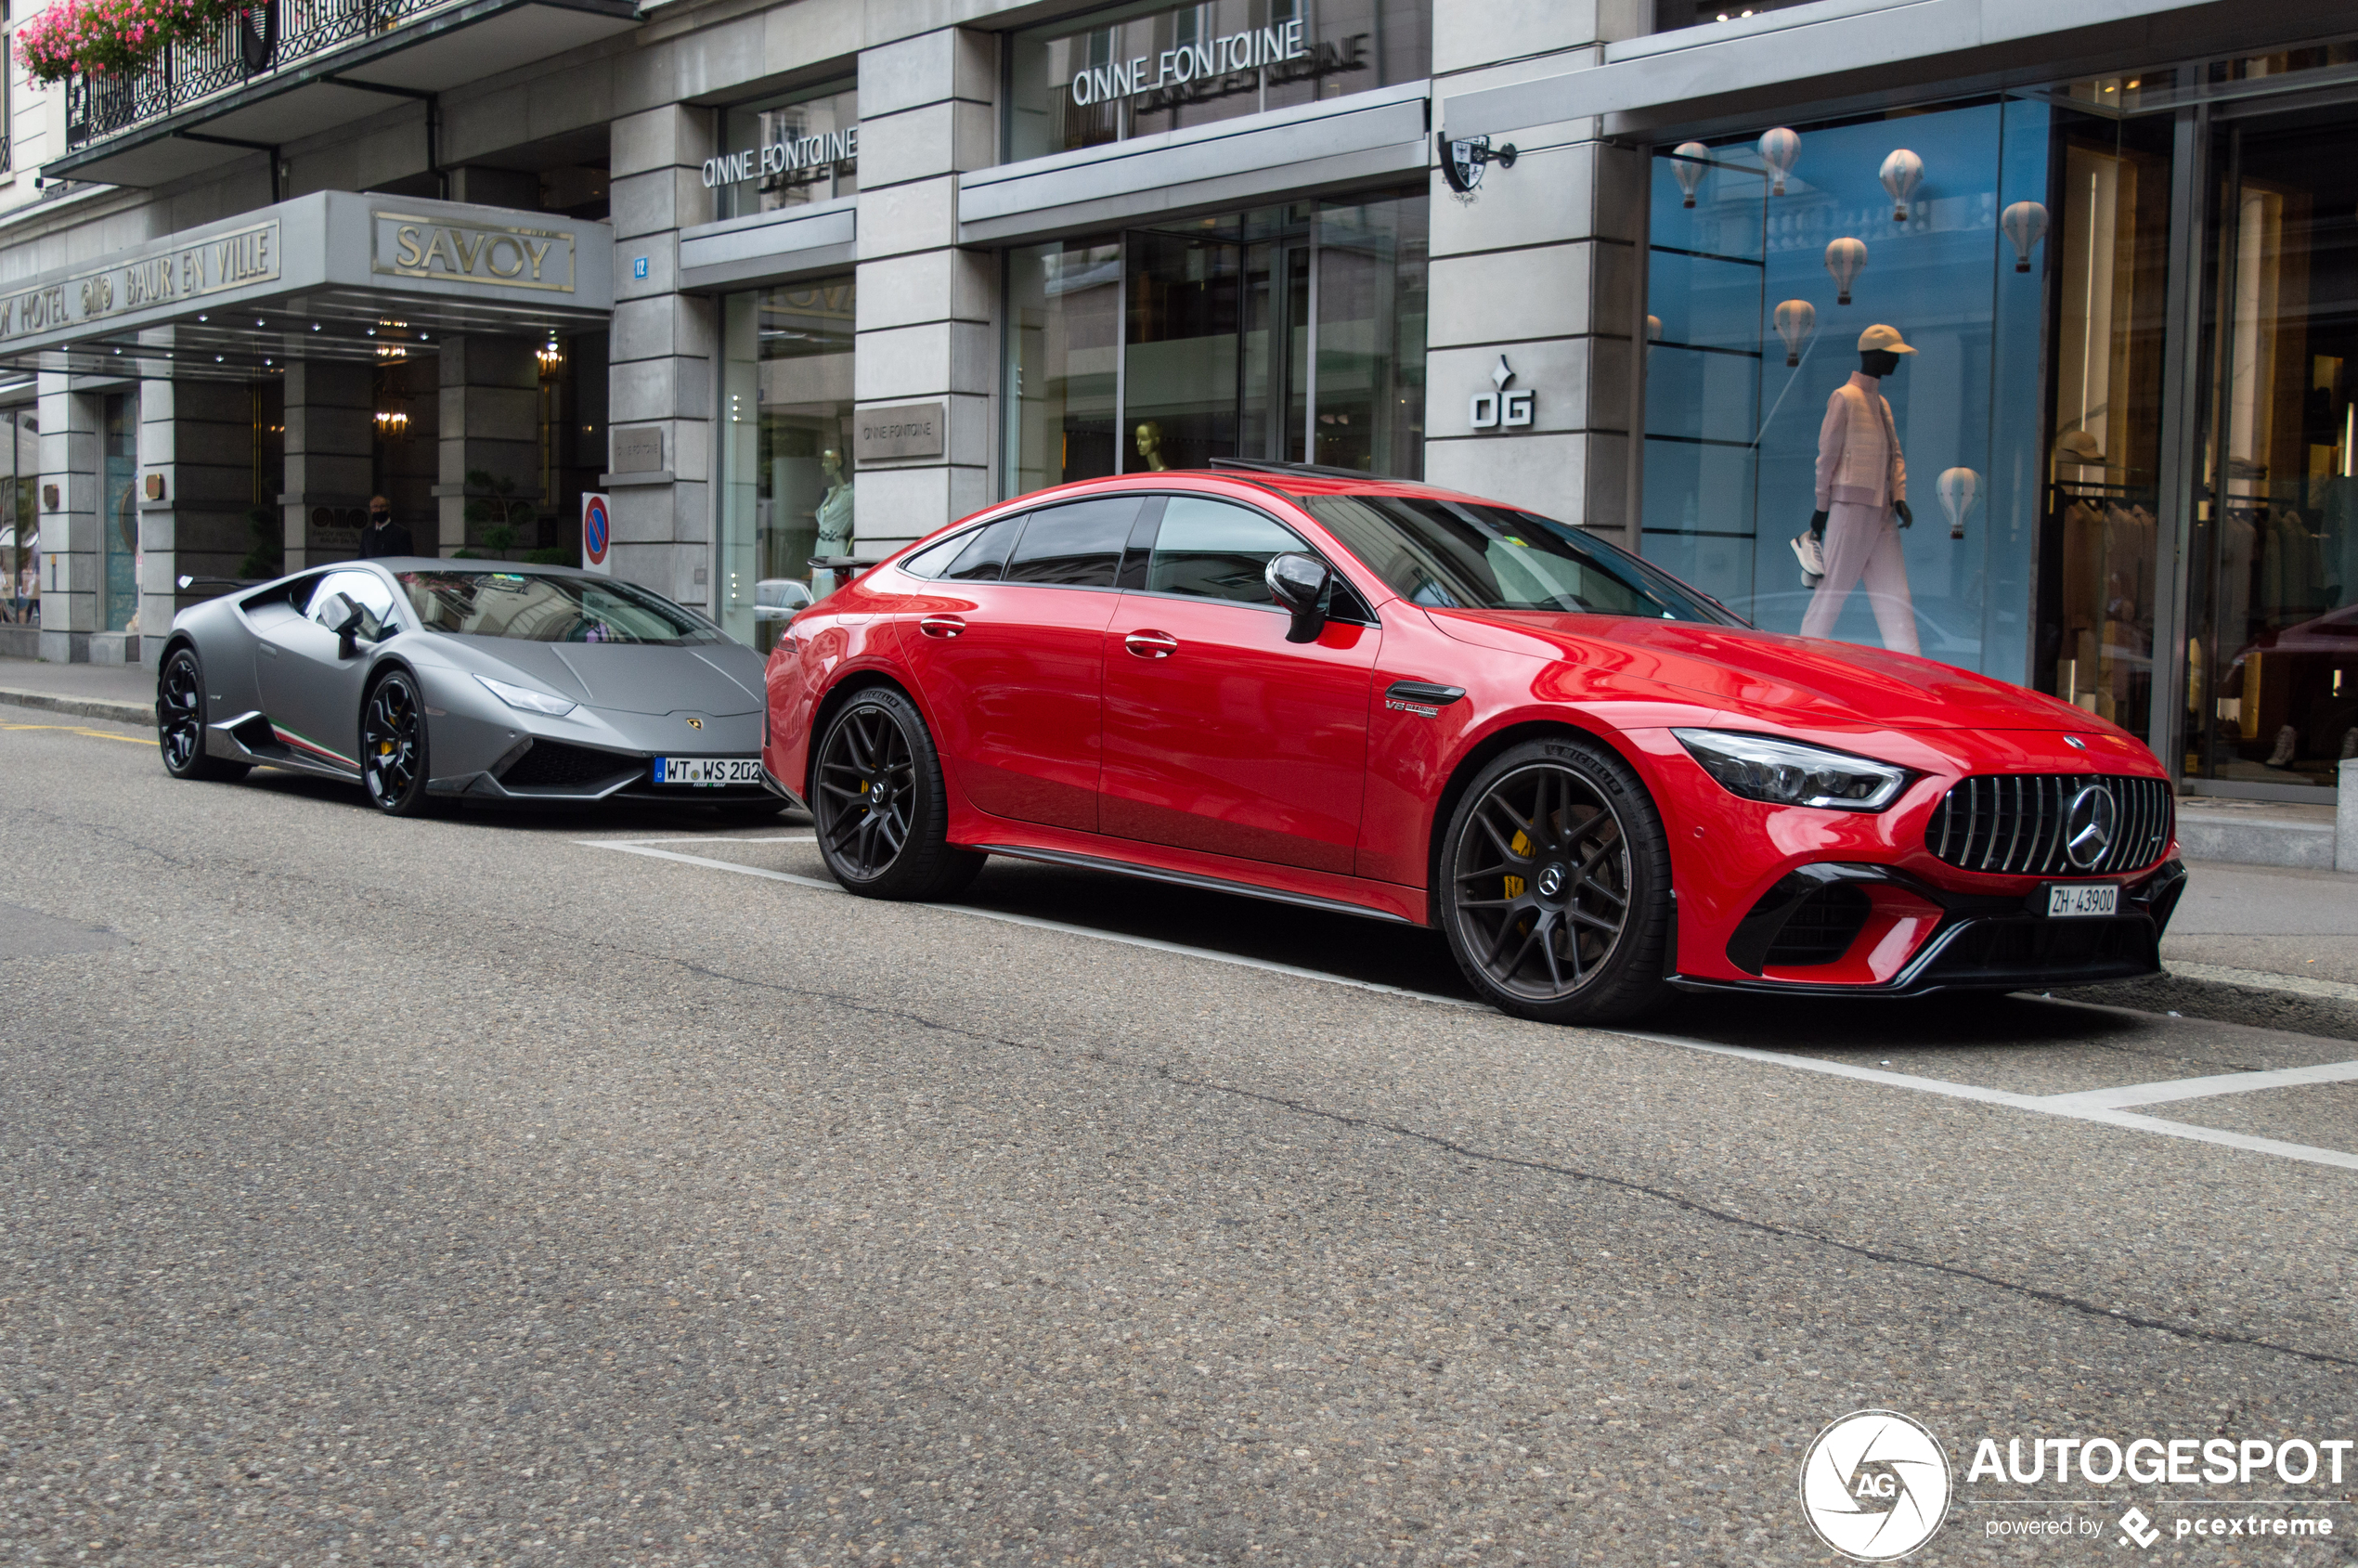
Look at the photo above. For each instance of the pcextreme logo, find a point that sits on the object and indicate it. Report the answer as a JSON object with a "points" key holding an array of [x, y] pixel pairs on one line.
{"points": [[1875, 1485]]}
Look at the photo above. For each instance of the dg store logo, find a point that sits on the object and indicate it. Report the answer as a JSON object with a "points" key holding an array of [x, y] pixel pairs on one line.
{"points": [[1875, 1485]]}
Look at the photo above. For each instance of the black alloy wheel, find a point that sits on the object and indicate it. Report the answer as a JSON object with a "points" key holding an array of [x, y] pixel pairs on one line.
{"points": [[393, 746], [878, 802], [180, 720], [1556, 885]]}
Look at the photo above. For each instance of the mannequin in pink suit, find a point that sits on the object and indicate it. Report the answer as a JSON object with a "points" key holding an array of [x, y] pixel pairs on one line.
{"points": [[1862, 486]]}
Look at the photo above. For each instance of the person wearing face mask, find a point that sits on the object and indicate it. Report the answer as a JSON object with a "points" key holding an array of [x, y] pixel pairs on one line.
{"points": [[384, 536]]}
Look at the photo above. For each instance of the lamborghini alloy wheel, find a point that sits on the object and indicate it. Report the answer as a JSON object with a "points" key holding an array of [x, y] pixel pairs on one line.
{"points": [[393, 746], [180, 721]]}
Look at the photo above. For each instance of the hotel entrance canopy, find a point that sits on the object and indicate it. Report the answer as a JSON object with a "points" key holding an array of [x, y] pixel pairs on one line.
{"points": [[330, 276]]}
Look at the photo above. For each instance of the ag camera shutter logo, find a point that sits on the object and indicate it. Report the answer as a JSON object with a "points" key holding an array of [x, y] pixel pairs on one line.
{"points": [[1875, 1485]]}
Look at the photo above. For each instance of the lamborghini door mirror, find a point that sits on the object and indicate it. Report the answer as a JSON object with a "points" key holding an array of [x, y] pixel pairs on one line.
{"points": [[344, 618], [1303, 586]]}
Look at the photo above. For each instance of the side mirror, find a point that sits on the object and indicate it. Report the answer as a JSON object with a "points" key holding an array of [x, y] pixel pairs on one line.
{"points": [[1303, 586], [348, 625]]}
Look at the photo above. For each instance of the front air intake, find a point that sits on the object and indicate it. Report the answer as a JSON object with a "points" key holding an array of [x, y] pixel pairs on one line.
{"points": [[2022, 824], [553, 765]]}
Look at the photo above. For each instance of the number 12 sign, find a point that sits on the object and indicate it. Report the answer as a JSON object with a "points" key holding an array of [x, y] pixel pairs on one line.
{"points": [[597, 532]]}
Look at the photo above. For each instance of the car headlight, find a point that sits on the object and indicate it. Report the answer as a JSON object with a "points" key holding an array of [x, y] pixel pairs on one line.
{"points": [[1788, 774], [531, 701]]}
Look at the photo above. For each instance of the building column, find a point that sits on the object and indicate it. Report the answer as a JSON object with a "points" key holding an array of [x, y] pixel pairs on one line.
{"points": [[660, 354], [1543, 265], [330, 456], [68, 507], [927, 309], [490, 423], [196, 441]]}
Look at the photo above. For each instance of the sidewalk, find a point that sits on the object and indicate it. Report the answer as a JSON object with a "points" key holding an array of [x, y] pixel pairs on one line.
{"points": [[2267, 921], [126, 693]]}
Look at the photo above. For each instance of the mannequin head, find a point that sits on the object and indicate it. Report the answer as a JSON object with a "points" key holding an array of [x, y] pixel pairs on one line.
{"points": [[1879, 351], [1150, 446], [830, 464]]}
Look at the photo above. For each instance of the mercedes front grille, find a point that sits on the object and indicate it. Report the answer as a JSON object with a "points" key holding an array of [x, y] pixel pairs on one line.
{"points": [[2014, 824]]}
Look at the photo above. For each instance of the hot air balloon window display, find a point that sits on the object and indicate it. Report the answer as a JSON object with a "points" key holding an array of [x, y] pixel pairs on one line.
{"points": [[2024, 224], [1957, 487], [1901, 172], [1687, 162], [1845, 258], [1796, 322], [1780, 149]]}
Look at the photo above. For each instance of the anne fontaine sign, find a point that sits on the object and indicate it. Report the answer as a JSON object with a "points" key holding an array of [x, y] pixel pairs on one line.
{"points": [[801, 153], [1249, 50]]}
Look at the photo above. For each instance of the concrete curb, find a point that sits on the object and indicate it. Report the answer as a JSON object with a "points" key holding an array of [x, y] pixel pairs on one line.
{"points": [[137, 714], [2245, 840], [2298, 985]]}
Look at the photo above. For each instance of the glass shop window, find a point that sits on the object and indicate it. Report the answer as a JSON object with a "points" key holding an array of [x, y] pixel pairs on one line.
{"points": [[1773, 253], [785, 450], [1295, 333]]}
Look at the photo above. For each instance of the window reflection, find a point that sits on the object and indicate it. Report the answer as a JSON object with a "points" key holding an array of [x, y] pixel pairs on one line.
{"points": [[1294, 333]]}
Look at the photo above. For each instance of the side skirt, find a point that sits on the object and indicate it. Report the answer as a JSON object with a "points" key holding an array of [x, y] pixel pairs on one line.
{"points": [[251, 738], [1191, 879]]}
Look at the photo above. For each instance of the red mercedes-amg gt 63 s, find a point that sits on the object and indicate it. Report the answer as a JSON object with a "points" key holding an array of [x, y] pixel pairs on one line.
{"points": [[1403, 703]]}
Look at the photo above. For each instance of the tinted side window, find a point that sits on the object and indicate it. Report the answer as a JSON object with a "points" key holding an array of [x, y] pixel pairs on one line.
{"points": [[1215, 550], [985, 552], [935, 560], [1078, 545]]}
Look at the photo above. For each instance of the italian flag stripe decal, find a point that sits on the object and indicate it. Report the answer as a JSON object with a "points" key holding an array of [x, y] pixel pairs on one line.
{"points": [[301, 743]]}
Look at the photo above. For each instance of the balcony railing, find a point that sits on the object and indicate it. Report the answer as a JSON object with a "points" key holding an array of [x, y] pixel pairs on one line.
{"points": [[259, 41]]}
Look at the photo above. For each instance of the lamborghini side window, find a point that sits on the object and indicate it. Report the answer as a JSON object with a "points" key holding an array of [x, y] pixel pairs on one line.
{"points": [[364, 592]]}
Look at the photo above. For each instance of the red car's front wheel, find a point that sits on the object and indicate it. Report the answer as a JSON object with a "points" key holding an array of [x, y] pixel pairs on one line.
{"points": [[1555, 885]]}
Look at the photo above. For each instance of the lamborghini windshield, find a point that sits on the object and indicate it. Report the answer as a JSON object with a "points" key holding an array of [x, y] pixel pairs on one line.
{"points": [[1464, 555], [533, 608]]}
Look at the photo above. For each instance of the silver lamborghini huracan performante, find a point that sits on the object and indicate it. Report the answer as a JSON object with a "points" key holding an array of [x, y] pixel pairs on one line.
{"points": [[431, 681]]}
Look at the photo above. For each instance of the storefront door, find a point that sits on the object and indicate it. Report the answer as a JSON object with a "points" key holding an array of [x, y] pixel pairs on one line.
{"points": [[2271, 695]]}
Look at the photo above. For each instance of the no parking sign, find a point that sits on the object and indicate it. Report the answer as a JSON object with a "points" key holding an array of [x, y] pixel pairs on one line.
{"points": [[597, 532]]}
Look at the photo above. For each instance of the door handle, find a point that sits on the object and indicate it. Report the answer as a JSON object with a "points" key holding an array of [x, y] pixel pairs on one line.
{"points": [[941, 626], [1151, 644]]}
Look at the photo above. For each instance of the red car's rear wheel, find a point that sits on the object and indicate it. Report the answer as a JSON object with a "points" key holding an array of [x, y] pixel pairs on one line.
{"points": [[1555, 887], [879, 804]]}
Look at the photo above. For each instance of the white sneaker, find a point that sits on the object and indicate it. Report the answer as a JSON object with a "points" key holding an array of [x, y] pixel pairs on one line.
{"points": [[1812, 556]]}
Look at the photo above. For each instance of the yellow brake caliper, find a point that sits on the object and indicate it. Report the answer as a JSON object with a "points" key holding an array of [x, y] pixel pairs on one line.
{"points": [[1521, 846]]}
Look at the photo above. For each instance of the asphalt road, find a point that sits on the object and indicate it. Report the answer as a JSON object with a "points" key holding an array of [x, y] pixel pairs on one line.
{"points": [[492, 1190]]}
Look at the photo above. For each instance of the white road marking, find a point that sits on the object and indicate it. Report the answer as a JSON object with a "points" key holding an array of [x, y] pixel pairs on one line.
{"points": [[2203, 1088], [639, 847], [2099, 1106], [709, 838]]}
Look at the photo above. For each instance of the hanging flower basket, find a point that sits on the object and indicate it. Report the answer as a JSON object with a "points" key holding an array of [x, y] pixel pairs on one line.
{"points": [[115, 37]]}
